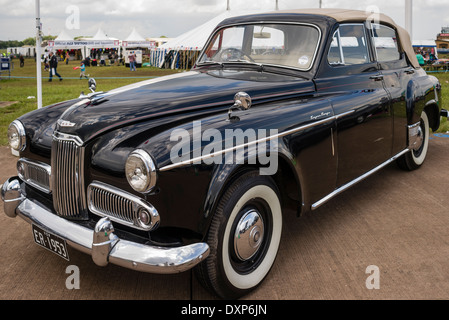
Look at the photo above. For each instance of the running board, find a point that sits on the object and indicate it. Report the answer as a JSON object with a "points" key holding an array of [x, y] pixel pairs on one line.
{"points": [[354, 182]]}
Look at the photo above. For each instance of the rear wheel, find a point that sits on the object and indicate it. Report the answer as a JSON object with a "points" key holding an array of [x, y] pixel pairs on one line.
{"points": [[244, 237], [416, 157]]}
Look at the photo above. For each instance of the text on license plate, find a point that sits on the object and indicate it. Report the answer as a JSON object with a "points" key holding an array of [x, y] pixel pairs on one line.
{"points": [[50, 242]]}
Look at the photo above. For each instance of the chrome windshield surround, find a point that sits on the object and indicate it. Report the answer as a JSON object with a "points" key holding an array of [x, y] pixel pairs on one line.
{"points": [[35, 173], [320, 36], [120, 206]]}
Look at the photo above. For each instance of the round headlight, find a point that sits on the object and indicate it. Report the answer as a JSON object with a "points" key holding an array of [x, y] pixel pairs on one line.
{"points": [[16, 136], [140, 171]]}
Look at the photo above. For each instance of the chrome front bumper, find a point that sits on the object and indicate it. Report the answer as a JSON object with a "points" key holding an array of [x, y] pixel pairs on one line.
{"points": [[101, 243]]}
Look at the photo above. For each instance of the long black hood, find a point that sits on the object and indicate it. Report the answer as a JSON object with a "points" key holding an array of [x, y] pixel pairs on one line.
{"points": [[198, 93]]}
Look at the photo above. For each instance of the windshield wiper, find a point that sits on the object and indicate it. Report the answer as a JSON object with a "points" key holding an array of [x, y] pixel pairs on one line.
{"points": [[210, 63], [245, 62]]}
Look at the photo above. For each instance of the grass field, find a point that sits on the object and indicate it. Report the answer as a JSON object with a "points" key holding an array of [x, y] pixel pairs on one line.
{"points": [[22, 89]]}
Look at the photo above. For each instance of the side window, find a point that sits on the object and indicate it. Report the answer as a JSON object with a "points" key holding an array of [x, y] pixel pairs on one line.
{"points": [[386, 43], [349, 46]]}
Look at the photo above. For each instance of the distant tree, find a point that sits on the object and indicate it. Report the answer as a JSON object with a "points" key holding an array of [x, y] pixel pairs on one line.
{"points": [[29, 41]]}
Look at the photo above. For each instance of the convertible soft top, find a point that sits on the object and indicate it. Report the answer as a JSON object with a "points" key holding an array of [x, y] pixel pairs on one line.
{"points": [[345, 15]]}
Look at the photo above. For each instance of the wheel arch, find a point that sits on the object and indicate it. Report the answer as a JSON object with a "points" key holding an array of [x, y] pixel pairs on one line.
{"points": [[286, 179]]}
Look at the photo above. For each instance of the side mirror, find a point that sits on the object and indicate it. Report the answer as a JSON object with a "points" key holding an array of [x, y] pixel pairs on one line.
{"points": [[242, 101]]}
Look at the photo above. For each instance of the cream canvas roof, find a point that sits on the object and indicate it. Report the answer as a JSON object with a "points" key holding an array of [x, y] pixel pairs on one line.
{"points": [[347, 15]]}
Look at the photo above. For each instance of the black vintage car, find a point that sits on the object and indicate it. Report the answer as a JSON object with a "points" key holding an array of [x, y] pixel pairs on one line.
{"points": [[282, 112]]}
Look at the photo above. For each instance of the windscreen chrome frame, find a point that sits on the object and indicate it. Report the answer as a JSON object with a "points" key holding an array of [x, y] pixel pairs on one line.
{"points": [[320, 34]]}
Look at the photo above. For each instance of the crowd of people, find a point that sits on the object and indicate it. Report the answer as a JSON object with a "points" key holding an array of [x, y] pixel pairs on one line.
{"points": [[97, 58]]}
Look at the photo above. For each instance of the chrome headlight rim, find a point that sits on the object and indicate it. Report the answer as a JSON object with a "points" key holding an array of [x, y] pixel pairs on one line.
{"points": [[149, 167], [20, 129]]}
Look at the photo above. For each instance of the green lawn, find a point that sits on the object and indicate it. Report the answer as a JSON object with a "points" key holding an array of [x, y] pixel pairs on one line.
{"points": [[23, 89]]}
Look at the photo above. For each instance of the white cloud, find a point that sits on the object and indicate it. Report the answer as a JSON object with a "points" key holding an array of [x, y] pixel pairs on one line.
{"points": [[153, 18]]}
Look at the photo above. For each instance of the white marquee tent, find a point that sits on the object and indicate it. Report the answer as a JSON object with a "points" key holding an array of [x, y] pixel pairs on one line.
{"points": [[192, 41], [135, 40]]}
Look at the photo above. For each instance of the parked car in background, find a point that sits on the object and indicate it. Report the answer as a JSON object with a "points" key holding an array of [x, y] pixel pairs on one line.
{"points": [[282, 112]]}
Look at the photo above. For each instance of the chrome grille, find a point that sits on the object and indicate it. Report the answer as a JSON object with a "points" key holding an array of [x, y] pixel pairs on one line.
{"points": [[36, 174], [110, 204], [120, 206], [67, 165]]}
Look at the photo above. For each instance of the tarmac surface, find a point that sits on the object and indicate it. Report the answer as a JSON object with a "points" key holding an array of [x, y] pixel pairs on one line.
{"points": [[390, 232]]}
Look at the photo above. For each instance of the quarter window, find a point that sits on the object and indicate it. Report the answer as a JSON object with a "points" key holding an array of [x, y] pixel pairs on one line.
{"points": [[386, 43], [349, 46]]}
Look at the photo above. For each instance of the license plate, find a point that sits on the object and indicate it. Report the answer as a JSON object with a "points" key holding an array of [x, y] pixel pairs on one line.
{"points": [[50, 242]]}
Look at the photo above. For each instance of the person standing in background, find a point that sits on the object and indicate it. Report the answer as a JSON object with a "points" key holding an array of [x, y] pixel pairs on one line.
{"points": [[53, 67]]}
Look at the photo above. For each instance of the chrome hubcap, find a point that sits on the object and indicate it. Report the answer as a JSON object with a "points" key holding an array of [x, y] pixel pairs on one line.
{"points": [[249, 235], [419, 139]]}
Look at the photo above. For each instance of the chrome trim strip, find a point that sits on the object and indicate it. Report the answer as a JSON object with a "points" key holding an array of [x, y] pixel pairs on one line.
{"points": [[27, 177], [248, 144], [359, 179], [120, 206]]}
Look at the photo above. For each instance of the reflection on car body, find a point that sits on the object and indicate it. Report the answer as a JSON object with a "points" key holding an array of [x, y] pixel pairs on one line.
{"points": [[142, 177]]}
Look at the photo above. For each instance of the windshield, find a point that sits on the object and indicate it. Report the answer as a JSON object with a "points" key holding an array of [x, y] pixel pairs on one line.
{"points": [[285, 45]]}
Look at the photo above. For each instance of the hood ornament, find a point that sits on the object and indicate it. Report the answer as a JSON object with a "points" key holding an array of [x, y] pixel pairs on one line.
{"points": [[92, 87], [242, 101]]}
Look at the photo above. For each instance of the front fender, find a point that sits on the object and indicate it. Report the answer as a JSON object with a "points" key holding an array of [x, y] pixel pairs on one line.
{"points": [[422, 92]]}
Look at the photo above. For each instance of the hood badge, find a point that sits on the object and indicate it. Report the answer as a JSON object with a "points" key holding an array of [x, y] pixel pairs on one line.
{"points": [[242, 101], [65, 123]]}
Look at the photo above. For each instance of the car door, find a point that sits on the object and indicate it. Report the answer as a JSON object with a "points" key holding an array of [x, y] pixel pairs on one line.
{"points": [[361, 104], [397, 73]]}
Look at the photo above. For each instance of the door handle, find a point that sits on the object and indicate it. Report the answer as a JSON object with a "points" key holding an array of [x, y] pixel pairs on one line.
{"points": [[377, 78], [410, 71]]}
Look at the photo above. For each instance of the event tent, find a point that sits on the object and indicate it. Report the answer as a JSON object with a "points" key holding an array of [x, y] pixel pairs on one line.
{"points": [[135, 40], [188, 44]]}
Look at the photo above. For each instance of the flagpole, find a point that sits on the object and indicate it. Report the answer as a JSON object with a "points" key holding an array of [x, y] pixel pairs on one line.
{"points": [[409, 17], [38, 55]]}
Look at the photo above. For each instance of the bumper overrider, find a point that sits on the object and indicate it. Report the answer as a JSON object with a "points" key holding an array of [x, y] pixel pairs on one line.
{"points": [[101, 243]]}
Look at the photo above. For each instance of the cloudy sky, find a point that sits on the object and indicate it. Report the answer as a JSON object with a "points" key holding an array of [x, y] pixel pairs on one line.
{"points": [[154, 18]]}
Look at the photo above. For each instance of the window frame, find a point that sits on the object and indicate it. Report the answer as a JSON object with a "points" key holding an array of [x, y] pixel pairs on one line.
{"points": [[368, 41], [402, 62]]}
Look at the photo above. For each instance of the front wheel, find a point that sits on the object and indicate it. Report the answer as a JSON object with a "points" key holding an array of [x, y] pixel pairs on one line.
{"points": [[416, 157], [244, 237]]}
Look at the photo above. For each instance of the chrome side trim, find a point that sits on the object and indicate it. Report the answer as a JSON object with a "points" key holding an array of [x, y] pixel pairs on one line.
{"points": [[248, 144], [359, 179]]}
